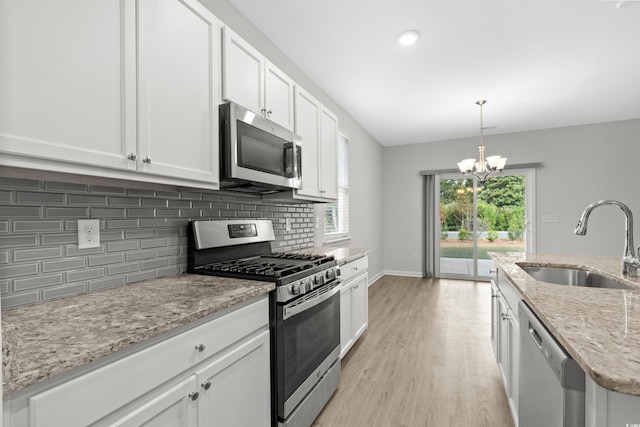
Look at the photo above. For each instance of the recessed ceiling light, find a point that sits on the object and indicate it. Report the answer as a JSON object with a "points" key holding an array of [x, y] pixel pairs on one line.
{"points": [[408, 37]]}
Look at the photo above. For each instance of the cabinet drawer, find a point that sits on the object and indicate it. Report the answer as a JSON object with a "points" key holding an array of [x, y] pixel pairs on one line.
{"points": [[510, 294], [85, 399], [352, 268]]}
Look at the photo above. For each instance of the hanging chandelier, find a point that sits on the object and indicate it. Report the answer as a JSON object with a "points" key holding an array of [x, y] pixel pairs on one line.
{"points": [[484, 167]]}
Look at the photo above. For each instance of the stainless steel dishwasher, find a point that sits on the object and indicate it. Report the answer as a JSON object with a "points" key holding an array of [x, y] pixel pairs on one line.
{"points": [[551, 383]]}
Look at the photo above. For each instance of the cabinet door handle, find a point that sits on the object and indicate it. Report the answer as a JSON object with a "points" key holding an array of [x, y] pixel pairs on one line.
{"points": [[505, 316], [132, 157], [200, 347], [194, 395], [206, 385], [147, 160]]}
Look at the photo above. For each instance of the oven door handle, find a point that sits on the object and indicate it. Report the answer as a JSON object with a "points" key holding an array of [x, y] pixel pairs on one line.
{"points": [[292, 310]]}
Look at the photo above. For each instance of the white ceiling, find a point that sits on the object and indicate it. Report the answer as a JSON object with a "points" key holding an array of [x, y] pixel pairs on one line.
{"points": [[539, 63]]}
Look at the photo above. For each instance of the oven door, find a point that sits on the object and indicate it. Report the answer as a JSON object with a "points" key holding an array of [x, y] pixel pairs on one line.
{"points": [[256, 150], [307, 343]]}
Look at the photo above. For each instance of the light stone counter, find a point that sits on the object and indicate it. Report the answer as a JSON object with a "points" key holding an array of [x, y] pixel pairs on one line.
{"points": [[342, 254], [599, 328], [47, 339]]}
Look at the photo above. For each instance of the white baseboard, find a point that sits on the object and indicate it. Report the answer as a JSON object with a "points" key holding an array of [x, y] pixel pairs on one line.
{"points": [[403, 273], [375, 278]]}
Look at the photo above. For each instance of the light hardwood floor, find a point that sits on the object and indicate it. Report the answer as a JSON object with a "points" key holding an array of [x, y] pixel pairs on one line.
{"points": [[425, 360]]}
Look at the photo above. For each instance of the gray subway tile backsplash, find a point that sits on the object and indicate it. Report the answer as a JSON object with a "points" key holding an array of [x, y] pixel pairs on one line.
{"points": [[142, 233]]}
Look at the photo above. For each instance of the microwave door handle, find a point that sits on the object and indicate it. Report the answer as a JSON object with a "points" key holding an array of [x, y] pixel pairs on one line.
{"points": [[290, 311]]}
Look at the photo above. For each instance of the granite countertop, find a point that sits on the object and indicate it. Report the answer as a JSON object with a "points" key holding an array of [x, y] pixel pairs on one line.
{"points": [[47, 339], [342, 254], [599, 328]]}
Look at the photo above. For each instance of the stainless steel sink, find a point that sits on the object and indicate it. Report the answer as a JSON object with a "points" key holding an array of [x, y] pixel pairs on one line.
{"points": [[571, 277]]}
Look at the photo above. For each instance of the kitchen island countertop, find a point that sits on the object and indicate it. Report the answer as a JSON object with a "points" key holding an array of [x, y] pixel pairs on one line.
{"points": [[599, 328], [43, 340]]}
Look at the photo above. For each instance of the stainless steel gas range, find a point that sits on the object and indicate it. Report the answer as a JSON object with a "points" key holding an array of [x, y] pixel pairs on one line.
{"points": [[305, 310]]}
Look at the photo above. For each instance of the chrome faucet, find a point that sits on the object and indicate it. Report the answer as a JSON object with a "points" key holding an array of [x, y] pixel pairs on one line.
{"points": [[630, 262]]}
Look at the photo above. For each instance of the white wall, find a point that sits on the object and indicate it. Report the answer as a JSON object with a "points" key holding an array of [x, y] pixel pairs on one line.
{"points": [[581, 164], [365, 161]]}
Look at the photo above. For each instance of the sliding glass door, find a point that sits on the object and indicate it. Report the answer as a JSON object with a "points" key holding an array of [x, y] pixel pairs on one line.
{"points": [[477, 218]]}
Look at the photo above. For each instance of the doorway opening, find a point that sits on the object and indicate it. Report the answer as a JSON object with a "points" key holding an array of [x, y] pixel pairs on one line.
{"points": [[476, 218]]}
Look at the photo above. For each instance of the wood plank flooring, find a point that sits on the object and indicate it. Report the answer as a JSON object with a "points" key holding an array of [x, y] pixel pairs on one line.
{"points": [[425, 360]]}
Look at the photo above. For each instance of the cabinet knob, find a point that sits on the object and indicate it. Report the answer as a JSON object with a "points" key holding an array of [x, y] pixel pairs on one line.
{"points": [[147, 160], [269, 112], [200, 347], [505, 316], [206, 385], [194, 395], [132, 157]]}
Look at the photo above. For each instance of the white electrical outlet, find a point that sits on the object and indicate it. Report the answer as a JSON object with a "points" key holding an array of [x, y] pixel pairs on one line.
{"points": [[287, 222], [88, 233]]}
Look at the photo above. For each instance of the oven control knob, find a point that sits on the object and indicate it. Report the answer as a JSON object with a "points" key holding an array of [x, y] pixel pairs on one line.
{"points": [[331, 275], [295, 289], [319, 279], [309, 285]]}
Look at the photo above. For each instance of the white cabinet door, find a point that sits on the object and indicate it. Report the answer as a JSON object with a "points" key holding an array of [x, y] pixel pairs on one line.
{"points": [[318, 129], [329, 154], [278, 98], [235, 387], [250, 80], [503, 341], [242, 72], [67, 79], [354, 302], [506, 344], [360, 305], [495, 320], [307, 127], [346, 319], [168, 406], [178, 48], [514, 364]]}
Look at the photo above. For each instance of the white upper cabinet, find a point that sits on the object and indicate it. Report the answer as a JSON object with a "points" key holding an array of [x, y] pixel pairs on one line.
{"points": [[67, 79], [307, 127], [329, 154], [250, 80], [317, 128], [107, 88], [178, 49]]}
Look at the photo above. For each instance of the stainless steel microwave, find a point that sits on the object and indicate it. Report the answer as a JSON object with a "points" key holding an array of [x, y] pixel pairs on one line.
{"points": [[256, 155]]}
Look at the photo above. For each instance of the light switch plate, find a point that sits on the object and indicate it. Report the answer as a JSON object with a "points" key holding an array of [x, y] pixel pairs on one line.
{"points": [[88, 233]]}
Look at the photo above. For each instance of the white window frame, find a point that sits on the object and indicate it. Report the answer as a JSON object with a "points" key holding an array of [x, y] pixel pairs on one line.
{"points": [[343, 194]]}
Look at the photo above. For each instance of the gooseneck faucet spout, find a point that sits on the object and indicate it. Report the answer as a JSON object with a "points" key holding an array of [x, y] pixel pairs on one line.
{"points": [[630, 262]]}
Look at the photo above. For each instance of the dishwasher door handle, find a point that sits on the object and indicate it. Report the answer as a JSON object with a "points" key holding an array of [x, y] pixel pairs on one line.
{"points": [[535, 336]]}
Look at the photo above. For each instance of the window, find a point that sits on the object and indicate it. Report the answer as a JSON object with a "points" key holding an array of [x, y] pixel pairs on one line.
{"points": [[336, 214]]}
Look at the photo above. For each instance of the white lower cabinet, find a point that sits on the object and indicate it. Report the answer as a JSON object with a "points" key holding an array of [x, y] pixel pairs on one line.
{"points": [[168, 406], [215, 373], [234, 389], [354, 303], [505, 337]]}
